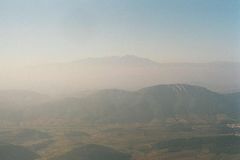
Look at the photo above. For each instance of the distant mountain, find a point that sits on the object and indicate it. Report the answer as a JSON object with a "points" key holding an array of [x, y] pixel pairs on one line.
{"points": [[161, 102], [94, 152], [127, 60], [12, 152], [123, 72]]}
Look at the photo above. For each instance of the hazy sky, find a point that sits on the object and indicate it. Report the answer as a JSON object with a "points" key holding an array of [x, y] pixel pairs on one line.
{"points": [[36, 31]]}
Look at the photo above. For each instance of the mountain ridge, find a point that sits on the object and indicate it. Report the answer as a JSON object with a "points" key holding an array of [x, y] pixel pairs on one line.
{"points": [[124, 72], [156, 102]]}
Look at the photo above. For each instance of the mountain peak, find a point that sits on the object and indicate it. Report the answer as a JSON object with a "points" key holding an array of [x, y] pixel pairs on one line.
{"points": [[119, 60]]}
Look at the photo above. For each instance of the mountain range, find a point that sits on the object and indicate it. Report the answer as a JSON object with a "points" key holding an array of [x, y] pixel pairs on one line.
{"points": [[161, 102], [123, 72]]}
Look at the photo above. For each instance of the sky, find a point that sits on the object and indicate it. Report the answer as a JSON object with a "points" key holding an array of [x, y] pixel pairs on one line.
{"points": [[46, 31]]}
